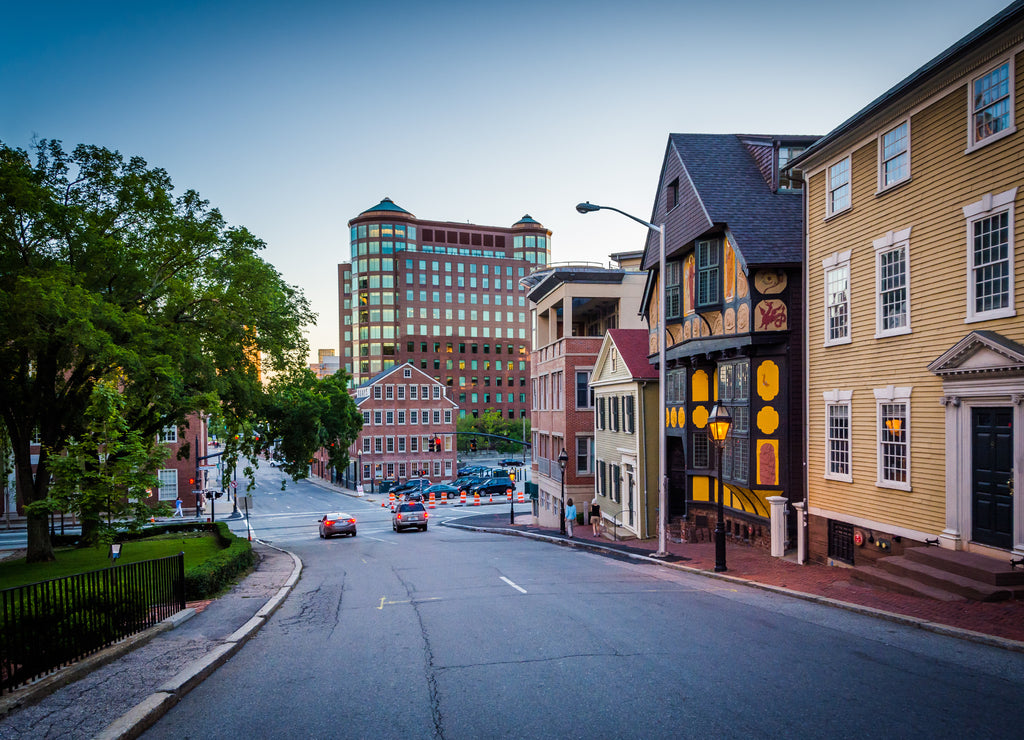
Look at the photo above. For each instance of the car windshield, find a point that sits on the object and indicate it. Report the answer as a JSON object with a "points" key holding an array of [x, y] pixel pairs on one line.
{"points": [[411, 507]]}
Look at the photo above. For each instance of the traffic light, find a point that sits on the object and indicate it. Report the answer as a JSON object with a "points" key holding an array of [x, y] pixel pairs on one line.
{"points": [[437, 444], [472, 445], [191, 481], [431, 444]]}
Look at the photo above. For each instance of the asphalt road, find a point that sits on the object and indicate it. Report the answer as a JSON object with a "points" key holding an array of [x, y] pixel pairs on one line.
{"points": [[456, 634]]}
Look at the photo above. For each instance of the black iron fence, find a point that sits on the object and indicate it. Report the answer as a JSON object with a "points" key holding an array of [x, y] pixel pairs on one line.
{"points": [[45, 626]]}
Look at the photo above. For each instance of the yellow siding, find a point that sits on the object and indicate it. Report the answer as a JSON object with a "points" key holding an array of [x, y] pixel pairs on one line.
{"points": [[944, 180]]}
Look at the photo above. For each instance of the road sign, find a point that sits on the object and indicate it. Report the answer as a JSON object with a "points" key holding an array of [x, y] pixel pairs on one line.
{"points": [[209, 467]]}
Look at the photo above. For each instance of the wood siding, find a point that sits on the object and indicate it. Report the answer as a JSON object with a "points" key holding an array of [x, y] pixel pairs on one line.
{"points": [[943, 180]]}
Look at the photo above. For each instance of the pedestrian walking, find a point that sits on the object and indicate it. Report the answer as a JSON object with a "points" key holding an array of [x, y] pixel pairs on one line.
{"points": [[570, 516], [177, 508], [595, 517]]}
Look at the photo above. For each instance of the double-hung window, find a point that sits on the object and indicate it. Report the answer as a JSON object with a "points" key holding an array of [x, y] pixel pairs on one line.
{"points": [[709, 274], [584, 394], [673, 289], [837, 298], [893, 429], [837, 435], [990, 257], [892, 284], [168, 478], [584, 455], [991, 105], [894, 156], [838, 187]]}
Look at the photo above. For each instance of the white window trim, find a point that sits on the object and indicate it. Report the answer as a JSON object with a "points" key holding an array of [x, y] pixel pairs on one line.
{"points": [[839, 259], [839, 398], [882, 187], [989, 205], [829, 213], [168, 488], [890, 241], [891, 394], [168, 435], [973, 145]]}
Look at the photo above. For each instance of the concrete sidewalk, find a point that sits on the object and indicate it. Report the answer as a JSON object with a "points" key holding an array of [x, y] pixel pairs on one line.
{"points": [[123, 690], [1000, 623]]}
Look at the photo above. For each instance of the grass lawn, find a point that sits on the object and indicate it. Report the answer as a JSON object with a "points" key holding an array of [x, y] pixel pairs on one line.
{"points": [[197, 546]]}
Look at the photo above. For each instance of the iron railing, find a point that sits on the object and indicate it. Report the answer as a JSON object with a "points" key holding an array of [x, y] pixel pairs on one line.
{"points": [[48, 625]]}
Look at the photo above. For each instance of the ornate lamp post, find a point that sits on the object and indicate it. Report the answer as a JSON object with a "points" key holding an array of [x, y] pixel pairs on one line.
{"points": [[589, 207], [563, 458], [718, 427]]}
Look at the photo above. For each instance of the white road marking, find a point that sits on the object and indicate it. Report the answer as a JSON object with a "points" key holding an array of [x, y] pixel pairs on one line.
{"points": [[520, 589]]}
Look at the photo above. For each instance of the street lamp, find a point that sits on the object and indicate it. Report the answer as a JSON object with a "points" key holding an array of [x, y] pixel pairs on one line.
{"points": [[718, 427], [589, 207], [563, 458]]}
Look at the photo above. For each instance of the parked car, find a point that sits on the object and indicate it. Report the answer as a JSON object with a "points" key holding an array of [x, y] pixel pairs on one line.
{"points": [[339, 523], [468, 482], [413, 484], [442, 490], [510, 463], [409, 515], [492, 486]]}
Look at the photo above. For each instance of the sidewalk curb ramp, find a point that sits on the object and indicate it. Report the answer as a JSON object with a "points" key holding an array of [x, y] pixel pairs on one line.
{"points": [[940, 629]]}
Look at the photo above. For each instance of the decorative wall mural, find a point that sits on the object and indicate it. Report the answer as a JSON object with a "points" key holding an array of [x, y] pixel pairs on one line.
{"points": [[700, 417], [689, 271], [715, 320], [730, 320], [770, 282], [767, 462], [771, 316], [699, 387], [767, 420], [742, 288], [730, 271], [687, 332], [743, 318], [682, 416], [767, 380], [672, 417]]}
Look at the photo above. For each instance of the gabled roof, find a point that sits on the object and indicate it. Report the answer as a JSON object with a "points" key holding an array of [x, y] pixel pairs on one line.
{"points": [[634, 349], [765, 227]]}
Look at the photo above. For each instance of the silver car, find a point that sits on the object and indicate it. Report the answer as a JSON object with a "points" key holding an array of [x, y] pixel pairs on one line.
{"points": [[332, 524], [408, 516]]}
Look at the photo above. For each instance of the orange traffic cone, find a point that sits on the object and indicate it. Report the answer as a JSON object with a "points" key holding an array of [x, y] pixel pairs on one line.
{"points": [[391, 499], [476, 498], [431, 505], [152, 520], [490, 498], [508, 495], [521, 498], [462, 498]]}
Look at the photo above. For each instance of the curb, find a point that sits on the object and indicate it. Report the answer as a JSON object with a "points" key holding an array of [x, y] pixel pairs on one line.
{"points": [[145, 714], [981, 638]]}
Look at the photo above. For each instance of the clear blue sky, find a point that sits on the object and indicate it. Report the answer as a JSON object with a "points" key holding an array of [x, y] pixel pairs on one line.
{"points": [[292, 117]]}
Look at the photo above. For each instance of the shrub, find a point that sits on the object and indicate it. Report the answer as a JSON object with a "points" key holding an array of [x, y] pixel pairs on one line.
{"points": [[214, 574]]}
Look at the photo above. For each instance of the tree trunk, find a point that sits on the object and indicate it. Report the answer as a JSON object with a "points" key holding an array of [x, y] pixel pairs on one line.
{"points": [[40, 548], [32, 489]]}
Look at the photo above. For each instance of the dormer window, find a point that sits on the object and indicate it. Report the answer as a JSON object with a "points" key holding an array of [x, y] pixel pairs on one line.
{"points": [[792, 181]]}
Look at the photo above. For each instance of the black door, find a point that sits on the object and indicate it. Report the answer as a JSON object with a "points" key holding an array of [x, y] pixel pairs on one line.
{"points": [[992, 485]]}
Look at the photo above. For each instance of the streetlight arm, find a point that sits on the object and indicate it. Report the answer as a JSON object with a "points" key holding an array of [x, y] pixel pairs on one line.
{"points": [[589, 207]]}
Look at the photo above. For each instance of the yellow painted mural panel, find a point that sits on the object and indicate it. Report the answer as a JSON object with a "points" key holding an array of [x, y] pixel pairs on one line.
{"points": [[700, 416], [700, 488], [699, 387], [767, 381], [767, 420], [767, 462], [730, 272]]}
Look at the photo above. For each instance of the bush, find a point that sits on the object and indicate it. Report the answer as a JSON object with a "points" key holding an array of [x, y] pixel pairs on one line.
{"points": [[214, 574]]}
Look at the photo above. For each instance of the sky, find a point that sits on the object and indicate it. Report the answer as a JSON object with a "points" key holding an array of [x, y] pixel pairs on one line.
{"points": [[293, 117]]}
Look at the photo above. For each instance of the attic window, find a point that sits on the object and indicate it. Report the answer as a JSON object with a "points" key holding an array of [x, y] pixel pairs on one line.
{"points": [[672, 195]]}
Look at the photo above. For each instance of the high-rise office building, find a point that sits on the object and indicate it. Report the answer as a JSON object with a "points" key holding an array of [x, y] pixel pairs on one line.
{"points": [[445, 296]]}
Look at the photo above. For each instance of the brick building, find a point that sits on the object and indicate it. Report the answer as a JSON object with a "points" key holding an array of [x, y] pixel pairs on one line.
{"points": [[446, 297]]}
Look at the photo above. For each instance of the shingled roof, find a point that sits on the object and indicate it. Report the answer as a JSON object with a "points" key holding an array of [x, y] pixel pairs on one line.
{"points": [[766, 226], [634, 347]]}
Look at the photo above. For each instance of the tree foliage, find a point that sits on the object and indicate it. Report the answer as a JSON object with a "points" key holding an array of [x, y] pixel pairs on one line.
{"points": [[106, 273], [491, 422]]}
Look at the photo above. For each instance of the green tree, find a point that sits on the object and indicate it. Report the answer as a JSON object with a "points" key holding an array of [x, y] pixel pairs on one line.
{"points": [[104, 272], [109, 468], [307, 414]]}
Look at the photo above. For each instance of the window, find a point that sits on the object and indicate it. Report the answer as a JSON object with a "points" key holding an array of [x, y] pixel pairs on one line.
{"points": [[389, 417], [672, 195], [708, 274], [672, 289], [894, 156], [377, 392], [585, 396], [168, 435], [168, 478], [837, 298], [377, 419], [838, 187], [614, 402], [734, 392], [893, 432], [991, 106], [892, 277], [837, 433], [793, 180], [990, 257], [701, 450], [584, 455]]}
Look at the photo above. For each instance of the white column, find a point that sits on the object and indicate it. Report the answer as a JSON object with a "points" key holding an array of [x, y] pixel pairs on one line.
{"points": [[778, 525]]}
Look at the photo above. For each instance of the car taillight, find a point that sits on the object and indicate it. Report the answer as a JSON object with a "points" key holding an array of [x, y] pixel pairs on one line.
{"points": [[351, 521], [328, 523], [398, 517], [425, 515]]}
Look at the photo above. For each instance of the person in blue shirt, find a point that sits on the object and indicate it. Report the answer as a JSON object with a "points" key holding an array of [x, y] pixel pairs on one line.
{"points": [[570, 516]]}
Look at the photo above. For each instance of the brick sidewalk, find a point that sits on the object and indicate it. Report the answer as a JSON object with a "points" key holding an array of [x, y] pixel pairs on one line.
{"points": [[1000, 619]]}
